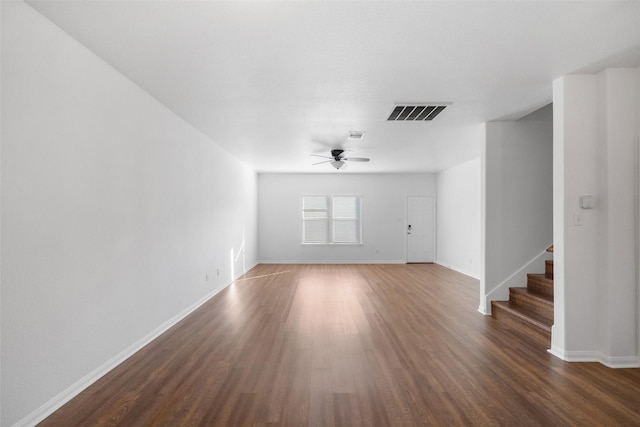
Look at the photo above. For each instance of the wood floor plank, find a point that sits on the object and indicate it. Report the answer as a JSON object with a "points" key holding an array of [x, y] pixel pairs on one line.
{"points": [[348, 345]]}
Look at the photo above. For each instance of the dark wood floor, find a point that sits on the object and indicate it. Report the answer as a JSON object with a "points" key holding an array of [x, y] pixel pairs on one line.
{"points": [[358, 345]]}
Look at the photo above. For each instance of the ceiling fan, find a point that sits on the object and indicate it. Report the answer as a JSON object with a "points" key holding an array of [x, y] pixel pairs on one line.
{"points": [[338, 158]]}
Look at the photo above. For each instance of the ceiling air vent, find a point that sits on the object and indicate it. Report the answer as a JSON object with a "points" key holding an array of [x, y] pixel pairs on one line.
{"points": [[356, 134], [415, 112]]}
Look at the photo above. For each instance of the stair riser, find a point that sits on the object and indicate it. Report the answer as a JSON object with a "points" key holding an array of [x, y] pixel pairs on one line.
{"points": [[540, 285], [548, 269], [542, 307], [539, 335]]}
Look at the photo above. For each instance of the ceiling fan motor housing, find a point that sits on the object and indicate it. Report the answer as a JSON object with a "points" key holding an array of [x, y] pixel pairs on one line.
{"points": [[337, 154]]}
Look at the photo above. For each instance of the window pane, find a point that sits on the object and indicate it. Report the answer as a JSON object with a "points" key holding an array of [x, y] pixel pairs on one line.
{"points": [[346, 231], [316, 203], [316, 231], [315, 214], [346, 207]]}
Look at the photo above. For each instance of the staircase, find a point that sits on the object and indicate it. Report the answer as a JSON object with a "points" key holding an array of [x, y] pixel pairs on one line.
{"points": [[529, 310]]}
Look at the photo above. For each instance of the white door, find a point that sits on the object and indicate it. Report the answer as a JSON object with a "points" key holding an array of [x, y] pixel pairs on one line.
{"points": [[421, 229]]}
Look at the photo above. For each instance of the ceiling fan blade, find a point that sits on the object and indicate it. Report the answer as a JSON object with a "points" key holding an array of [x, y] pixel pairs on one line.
{"points": [[319, 163], [318, 155], [323, 143], [355, 159]]}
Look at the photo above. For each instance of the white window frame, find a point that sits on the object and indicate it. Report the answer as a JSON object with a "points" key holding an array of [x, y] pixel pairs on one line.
{"points": [[331, 219]]}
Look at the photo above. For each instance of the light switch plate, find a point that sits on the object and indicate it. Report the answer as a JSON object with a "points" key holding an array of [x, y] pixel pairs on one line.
{"points": [[586, 202]]}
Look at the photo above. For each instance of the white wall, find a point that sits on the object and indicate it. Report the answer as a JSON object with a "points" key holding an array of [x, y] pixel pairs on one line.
{"points": [[575, 173], [619, 133], [459, 218], [383, 215], [518, 202], [596, 133], [114, 210]]}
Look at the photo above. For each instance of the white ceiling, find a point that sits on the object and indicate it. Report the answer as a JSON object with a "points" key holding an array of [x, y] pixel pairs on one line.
{"points": [[273, 82]]}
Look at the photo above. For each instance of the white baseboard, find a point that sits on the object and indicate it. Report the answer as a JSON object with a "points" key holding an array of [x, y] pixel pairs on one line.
{"points": [[459, 270], [330, 261], [615, 362], [618, 362], [73, 390], [557, 352]]}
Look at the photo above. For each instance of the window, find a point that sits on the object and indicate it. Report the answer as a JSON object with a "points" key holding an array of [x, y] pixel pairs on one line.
{"points": [[331, 219], [315, 219]]}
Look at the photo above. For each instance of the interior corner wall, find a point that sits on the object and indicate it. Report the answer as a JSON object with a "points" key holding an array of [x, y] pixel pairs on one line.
{"points": [[114, 212], [618, 120], [458, 214], [383, 215], [596, 288], [518, 201]]}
